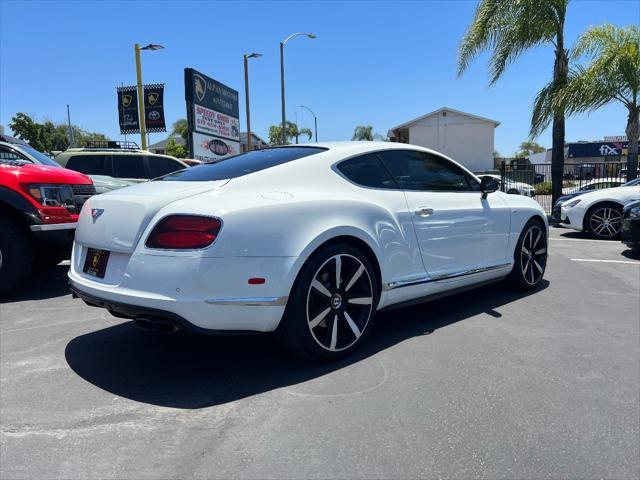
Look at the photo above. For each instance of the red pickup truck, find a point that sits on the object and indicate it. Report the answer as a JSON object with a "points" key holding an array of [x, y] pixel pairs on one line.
{"points": [[39, 207]]}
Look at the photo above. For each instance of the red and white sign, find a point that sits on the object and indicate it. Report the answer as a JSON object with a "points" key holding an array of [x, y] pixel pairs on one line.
{"points": [[215, 123], [212, 149]]}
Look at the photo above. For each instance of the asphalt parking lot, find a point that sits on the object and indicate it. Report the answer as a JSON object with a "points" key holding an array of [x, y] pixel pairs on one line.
{"points": [[490, 383]]}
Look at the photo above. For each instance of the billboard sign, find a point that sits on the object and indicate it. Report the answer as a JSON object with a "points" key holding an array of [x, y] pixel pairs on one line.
{"points": [[216, 123], [128, 110], [208, 148], [154, 108], [597, 149], [213, 117]]}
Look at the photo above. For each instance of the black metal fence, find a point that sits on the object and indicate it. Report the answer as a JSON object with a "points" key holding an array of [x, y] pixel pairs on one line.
{"points": [[578, 177]]}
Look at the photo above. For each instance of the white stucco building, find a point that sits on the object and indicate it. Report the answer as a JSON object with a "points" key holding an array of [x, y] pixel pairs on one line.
{"points": [[467, 138]]}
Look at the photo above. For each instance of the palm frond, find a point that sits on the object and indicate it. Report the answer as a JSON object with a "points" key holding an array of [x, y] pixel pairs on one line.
{"points": [[509, 28]]}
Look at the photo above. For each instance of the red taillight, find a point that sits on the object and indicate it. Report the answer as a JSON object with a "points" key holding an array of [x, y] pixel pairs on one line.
{"points": [[177, 232]]}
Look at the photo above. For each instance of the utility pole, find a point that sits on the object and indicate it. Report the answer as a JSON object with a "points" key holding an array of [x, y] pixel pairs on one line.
{"points": [[71, 140]]}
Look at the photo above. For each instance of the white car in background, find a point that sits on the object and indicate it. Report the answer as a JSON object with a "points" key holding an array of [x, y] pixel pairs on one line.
{"points": [[513, 187], [597, 184], [599, 213], [309, 241]]}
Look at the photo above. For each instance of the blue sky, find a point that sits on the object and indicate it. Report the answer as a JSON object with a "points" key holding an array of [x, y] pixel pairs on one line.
{"points": [[379, 63]]}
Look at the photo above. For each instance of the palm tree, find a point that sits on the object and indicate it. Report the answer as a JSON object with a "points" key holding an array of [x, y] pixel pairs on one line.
{"points": [[180, 127], [294, 132], [362, 132], [509, 28], [612, 75]]}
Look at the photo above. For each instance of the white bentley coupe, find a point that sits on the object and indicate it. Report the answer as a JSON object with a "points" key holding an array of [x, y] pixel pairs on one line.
{"points": [[307, 241]]}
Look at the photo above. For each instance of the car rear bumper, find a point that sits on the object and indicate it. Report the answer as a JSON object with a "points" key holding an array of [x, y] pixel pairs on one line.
{"points": [[198, 293]]}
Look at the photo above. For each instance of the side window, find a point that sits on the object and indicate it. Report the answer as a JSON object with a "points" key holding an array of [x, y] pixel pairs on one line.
{"points": [[8, 154], [159, 166], [367, 171], [90, 164], [414, 170], [129, 166], [589, 187]]}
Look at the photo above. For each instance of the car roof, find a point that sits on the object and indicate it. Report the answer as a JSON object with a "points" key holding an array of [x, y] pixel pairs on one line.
{"points": [[75, 152], [12, 140]]}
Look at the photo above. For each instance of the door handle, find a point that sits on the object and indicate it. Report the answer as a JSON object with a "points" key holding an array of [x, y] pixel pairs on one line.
{"points": [[424, 211]]}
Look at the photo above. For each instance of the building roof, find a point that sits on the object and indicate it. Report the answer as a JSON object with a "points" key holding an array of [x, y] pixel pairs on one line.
{"points": [[447, 109], [255, 138], [162, 144]]}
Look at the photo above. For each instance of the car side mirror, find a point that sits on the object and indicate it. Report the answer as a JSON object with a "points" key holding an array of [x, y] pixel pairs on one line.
{"points": [[488, 185]]}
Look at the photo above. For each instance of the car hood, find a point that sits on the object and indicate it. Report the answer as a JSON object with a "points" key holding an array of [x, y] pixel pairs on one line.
{"points": [[105, 183], [121, 216], [36, 173]]}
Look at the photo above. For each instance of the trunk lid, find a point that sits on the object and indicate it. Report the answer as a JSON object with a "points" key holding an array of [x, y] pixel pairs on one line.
{"points": [[120, 217]]}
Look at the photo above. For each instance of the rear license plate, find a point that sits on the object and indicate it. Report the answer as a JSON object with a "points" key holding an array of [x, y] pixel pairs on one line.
{"points": [[96, 262]]}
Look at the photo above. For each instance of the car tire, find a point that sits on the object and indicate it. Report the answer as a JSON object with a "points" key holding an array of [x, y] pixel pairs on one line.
{"points": [[16, 256], [530, 256], [328, 314], [603, 221]]}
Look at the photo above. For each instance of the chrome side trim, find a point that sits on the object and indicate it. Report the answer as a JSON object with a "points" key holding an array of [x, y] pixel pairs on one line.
{"points": [[53, 226], [425, 279], [406, 283], [250, 301]]}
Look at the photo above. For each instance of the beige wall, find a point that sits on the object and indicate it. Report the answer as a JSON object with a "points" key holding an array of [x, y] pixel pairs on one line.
{"points": [[467, 140]]}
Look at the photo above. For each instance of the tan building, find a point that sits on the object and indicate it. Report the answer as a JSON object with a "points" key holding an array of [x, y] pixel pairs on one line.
{"points": [[467, 138]]}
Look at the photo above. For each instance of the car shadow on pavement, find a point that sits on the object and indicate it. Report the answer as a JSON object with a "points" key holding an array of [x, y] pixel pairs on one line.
{"points": [[198, 371], [631, 254], [43, 283]]}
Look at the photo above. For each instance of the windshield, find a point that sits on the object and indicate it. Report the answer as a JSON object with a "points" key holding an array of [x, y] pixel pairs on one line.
{"points": [[38, 156], [630, 183], [242, 164]]}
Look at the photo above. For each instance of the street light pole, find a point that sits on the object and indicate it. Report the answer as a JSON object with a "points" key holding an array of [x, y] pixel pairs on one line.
{"points": [[246, 95], [315, 121], [141, 115], [284, 117], [141, 112]]}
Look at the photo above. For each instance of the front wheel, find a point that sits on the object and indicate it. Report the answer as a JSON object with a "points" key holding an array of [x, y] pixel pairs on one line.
{"points": [[604, 221], [530, 257], [332, 305]]}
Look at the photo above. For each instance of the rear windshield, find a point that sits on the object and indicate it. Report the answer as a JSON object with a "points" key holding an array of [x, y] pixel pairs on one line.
{"points": [[242, 164]]}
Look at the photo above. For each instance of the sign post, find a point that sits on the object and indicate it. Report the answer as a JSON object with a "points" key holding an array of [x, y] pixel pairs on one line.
{"points": [[212, 117]]}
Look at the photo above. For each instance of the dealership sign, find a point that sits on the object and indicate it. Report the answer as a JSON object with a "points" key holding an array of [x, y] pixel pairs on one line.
{"points": [[128, 110], [128, 115], [154, 108], [216, 123], [212, 116], [211, 149]]}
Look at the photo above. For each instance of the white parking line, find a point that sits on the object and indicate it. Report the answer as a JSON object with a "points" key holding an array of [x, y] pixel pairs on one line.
{"points": [[603, 261], [584, 240]]}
